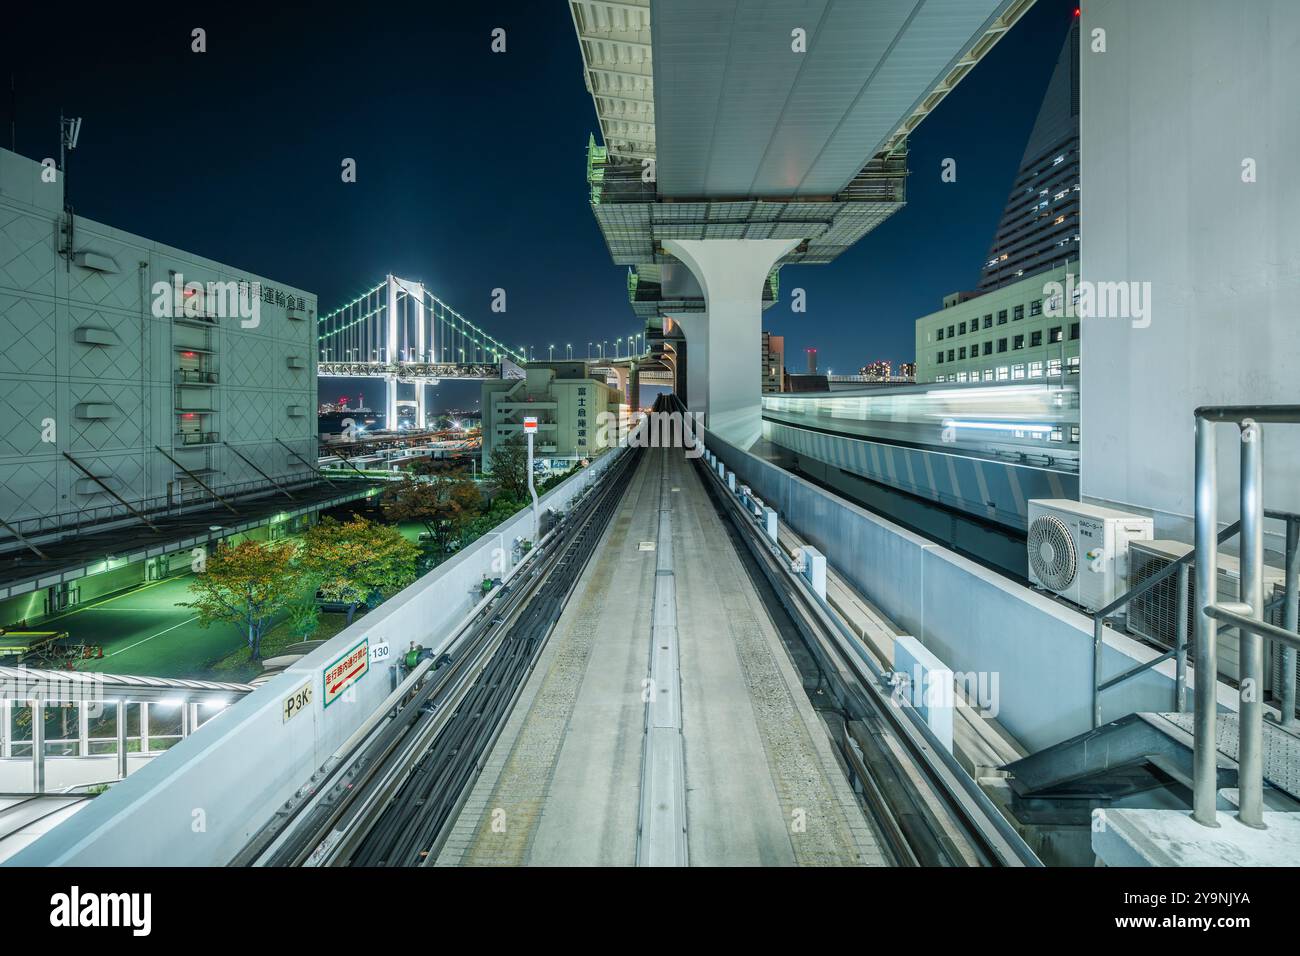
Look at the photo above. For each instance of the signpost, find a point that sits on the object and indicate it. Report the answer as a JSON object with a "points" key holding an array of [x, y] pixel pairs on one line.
{"points": [[346, 671], [530, 429]]}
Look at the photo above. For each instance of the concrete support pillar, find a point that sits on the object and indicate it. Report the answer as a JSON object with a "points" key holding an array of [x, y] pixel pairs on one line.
{"points": [[144, 727], [732, 272], [390, 384], [621, 374], [121, 740], [634, 386], [83, 728], [38, 746], [695, 326]]}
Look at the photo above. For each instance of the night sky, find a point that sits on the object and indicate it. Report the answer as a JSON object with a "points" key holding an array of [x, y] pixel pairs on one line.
{"points": [[470, 165]]}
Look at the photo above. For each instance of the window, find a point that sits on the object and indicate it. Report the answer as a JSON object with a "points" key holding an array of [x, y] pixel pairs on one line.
{"points": [[1074, 364], [1074, 331], [1002, 317], [938, 359], [1053, 366], [950, 355], [1035, 338], [988, 348], [1019, 313], [1002, 373], [1017, 371], [1035, 369], [1002, 345], [1017, 343], [1074, 434], [951, 331], [961, 329], [988, 321], [1054, 335], [1036, 307], [961, 376], [988, 375], [941, 335], [961, 353], [1057, 434]]}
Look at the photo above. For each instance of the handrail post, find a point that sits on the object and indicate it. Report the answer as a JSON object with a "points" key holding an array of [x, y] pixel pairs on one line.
{"points": [[1291, 617], [1098, 642], [1180, 648], [1250, 714], [1204, 755]]}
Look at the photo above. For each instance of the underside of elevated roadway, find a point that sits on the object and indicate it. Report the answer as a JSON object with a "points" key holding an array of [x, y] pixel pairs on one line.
{"points": [[751, 779]]}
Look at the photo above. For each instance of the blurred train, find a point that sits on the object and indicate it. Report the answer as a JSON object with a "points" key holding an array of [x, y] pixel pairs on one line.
{"points": [[1032, 423]]}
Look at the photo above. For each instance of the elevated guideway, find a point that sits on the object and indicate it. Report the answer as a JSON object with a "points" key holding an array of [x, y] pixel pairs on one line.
{"points": [[665, 722]]}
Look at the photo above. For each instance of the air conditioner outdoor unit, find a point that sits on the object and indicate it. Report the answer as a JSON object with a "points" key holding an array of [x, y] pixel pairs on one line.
{"points": [[1154, 615], [1080, 551]]}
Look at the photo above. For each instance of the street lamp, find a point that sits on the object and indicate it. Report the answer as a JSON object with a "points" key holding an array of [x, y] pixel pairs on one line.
{"points": [[550, 353], [568, 350]]}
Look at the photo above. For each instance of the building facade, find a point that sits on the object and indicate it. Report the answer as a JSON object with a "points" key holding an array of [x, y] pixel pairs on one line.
{"points": [[139, 382], [569, 407], [1016, 332], [773, 362], [1040, 224]]}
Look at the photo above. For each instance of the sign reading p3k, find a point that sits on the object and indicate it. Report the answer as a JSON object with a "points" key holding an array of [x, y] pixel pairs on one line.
{"points": [[346, 671]]}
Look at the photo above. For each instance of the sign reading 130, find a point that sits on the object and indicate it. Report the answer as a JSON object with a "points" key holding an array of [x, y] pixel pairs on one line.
{"points": [[378, 652]]}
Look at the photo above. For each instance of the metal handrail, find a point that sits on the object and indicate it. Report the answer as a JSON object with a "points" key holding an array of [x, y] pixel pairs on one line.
{"points": [[1179, 652], [1246, 614]]}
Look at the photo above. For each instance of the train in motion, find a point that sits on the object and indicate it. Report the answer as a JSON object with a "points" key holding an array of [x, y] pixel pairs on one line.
{"points": [[1032, 422]]}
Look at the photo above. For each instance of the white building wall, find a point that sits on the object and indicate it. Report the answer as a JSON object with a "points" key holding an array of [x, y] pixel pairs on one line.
{"points": [[46, 373], [1184, 93]]}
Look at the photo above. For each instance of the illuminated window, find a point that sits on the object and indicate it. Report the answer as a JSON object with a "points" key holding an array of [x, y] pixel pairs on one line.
{"points": [[1002, 373], [1035, 369], [988, 375], [1017, 371], [1054, 335]]}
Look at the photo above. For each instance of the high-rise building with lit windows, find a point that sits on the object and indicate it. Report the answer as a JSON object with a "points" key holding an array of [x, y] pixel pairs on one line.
{"points": [[1039, 228]]}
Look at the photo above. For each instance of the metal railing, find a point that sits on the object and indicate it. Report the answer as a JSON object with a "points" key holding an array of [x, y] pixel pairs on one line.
{"points": [[1246, 614], [157, 506]]}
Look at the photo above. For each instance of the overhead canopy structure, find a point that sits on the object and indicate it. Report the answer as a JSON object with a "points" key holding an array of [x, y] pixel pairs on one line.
{"points": [[763, 124]]}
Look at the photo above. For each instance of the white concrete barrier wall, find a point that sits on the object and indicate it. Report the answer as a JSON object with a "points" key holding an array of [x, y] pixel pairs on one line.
{"points": [[977, 622], [200, 802]]}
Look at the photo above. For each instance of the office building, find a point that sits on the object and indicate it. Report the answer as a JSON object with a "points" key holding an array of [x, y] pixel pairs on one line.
{"points": [[1040, 224], [773, 362], [569, 407], [1007, 335]]}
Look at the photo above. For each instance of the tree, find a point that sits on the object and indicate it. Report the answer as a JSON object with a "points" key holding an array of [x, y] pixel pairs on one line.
{"points": [[509, 467], [445, 505], [356, 559], [247, 584], [304, 618]]}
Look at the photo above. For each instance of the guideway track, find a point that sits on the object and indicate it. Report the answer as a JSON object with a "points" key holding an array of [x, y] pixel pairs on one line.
{"points": [[386, 798]]}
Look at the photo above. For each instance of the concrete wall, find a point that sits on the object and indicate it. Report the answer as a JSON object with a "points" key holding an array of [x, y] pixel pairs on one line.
{"points": [[1184, 93], [200, 802], [972, 619]]}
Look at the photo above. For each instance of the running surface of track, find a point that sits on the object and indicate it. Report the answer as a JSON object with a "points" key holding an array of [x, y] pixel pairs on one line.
{"points": [[761, 785]]}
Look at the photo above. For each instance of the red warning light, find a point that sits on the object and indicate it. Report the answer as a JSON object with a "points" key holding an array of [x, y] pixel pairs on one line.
{"points": [[1076, 11]]}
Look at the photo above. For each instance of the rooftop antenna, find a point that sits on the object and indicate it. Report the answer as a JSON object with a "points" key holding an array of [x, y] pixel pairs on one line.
{"points": [[69, 133]]}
